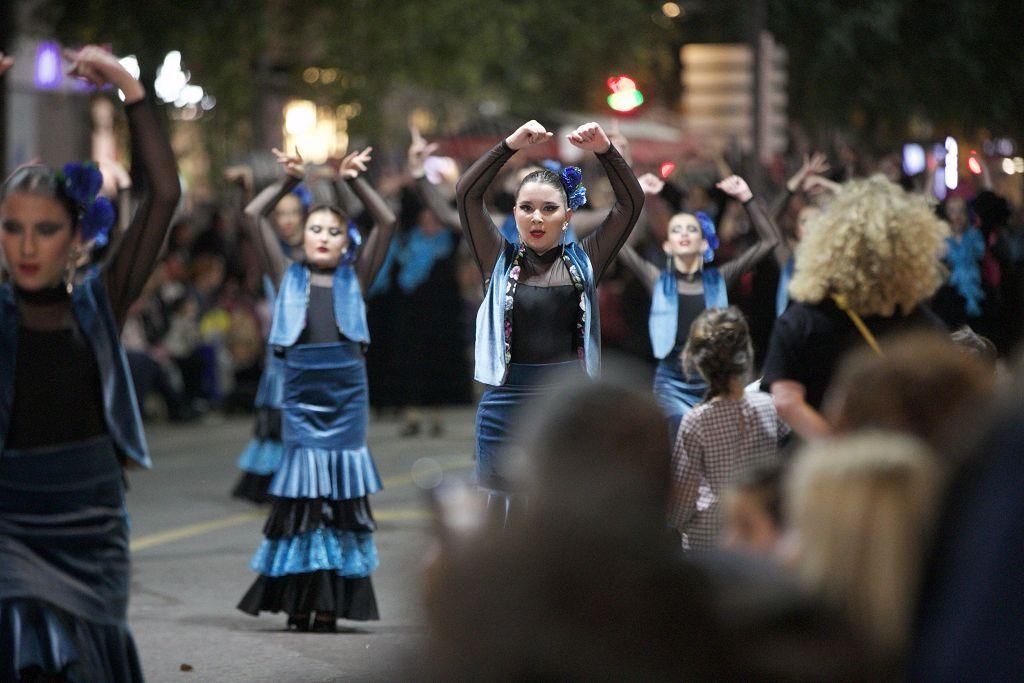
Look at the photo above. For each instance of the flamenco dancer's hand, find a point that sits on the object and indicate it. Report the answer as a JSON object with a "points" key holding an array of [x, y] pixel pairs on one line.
{"points": [[355, 163], [419, 150], [97, 66], [651, 184], [530, 133], [737, 188], [5, 63], [292, 163], [590, 137]]}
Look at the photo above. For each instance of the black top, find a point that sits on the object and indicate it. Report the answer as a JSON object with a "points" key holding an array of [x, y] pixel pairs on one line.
{"points": [[809, 340], [544, 323], [58, 397], [690, 306], [321, 327]]}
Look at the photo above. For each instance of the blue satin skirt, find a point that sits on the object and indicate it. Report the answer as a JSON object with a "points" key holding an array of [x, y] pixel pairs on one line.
{"points": [[676, 391], [263, 454], [325, 418], [64, 564], [497, 426]]}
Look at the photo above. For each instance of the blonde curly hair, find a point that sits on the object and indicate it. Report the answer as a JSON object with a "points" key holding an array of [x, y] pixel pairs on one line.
{"points": [[876, 246]]}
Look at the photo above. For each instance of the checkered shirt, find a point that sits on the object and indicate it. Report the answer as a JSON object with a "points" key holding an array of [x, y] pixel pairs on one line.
{"points": [[716, 441]]}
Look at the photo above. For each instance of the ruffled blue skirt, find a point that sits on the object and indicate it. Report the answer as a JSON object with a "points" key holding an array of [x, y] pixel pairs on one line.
{"points": [[262, 455], [64, 564], [326, 465]]}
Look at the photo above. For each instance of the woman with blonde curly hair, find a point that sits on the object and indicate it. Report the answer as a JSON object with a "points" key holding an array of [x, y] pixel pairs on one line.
{"points": [[863, 271]]}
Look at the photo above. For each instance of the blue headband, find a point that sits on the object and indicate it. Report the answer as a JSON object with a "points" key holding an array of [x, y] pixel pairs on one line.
{"points": [[81, 182]]}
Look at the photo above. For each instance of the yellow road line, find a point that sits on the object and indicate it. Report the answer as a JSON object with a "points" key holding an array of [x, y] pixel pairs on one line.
{"points": [[191, 530]]}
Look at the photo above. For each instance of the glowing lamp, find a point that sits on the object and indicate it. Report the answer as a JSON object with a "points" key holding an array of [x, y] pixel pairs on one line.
{"points": [[974, 165], [666, 168], [48, 72], [625, 97]]}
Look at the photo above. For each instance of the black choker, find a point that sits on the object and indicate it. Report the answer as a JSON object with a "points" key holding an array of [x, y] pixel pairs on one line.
{"points": [[48, 295]]}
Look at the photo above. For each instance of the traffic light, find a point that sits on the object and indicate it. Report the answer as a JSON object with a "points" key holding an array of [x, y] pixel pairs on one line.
{"points": [[625, 97]]}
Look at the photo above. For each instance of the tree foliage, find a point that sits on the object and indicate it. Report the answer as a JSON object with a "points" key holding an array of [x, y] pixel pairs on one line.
{"points": [[875, 64]]}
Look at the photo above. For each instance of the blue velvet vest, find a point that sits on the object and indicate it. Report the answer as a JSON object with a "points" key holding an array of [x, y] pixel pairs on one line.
{"points": [[490, 319], [92, 312], [293, 300], [665, 307]]}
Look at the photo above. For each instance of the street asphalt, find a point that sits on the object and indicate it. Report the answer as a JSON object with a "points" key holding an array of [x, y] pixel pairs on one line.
{"points": [[191, 546]]}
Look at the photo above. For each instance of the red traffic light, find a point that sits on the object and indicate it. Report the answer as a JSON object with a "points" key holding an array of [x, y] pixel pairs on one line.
{"points": [[625, 97]]}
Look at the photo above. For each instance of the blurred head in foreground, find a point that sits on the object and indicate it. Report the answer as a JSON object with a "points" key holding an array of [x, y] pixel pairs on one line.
{"points": [[861, 508]]}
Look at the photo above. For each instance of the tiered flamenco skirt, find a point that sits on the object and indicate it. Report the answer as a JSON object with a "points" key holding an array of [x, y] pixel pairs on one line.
{"points": [[498, 426], [262, 456], [64, 565], [318, 550]]}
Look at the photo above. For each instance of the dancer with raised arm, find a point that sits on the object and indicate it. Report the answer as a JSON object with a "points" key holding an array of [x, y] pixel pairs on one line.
{"points": [[539, 313], [687, 286], [69, 420], [262, 455], [318, 552]]}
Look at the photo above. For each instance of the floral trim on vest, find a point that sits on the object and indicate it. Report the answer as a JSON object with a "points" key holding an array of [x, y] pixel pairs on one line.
{"points": [[510, 294]]}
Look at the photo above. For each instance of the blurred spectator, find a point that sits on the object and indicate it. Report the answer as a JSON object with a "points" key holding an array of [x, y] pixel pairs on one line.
{"points": [[924, 385], [860, 509]]}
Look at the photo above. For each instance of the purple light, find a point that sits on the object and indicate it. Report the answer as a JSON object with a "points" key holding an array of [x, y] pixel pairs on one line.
{"points": [[48, 71]]}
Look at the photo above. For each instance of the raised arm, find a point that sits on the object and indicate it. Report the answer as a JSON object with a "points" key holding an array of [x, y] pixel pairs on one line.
{"points": [[372, 255], [272, 256], [483, 238], [645, 271], [152, 158], [604, 243], [419, 150], [768, 235]]}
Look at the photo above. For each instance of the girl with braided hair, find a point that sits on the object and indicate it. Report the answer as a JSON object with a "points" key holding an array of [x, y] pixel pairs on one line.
{"points": [[730, 432]]}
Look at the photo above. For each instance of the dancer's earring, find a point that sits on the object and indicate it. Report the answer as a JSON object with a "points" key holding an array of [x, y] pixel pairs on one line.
{"points": [[70, 270]]}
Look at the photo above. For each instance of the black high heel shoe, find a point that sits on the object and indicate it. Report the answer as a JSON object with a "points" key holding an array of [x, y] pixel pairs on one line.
{"points": [[299, 623], [325, 622]]}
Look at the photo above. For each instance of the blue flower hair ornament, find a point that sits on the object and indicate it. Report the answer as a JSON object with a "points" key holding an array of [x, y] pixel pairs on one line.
{"points": [[81, 182], [355, 240], [572, 182], [707, 229], [304, 195]]}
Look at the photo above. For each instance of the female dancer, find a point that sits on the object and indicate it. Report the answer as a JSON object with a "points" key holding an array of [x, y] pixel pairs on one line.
{"points": [[262, 456], [319, 552], [686, 287], [69, 420], [540, 305]]}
